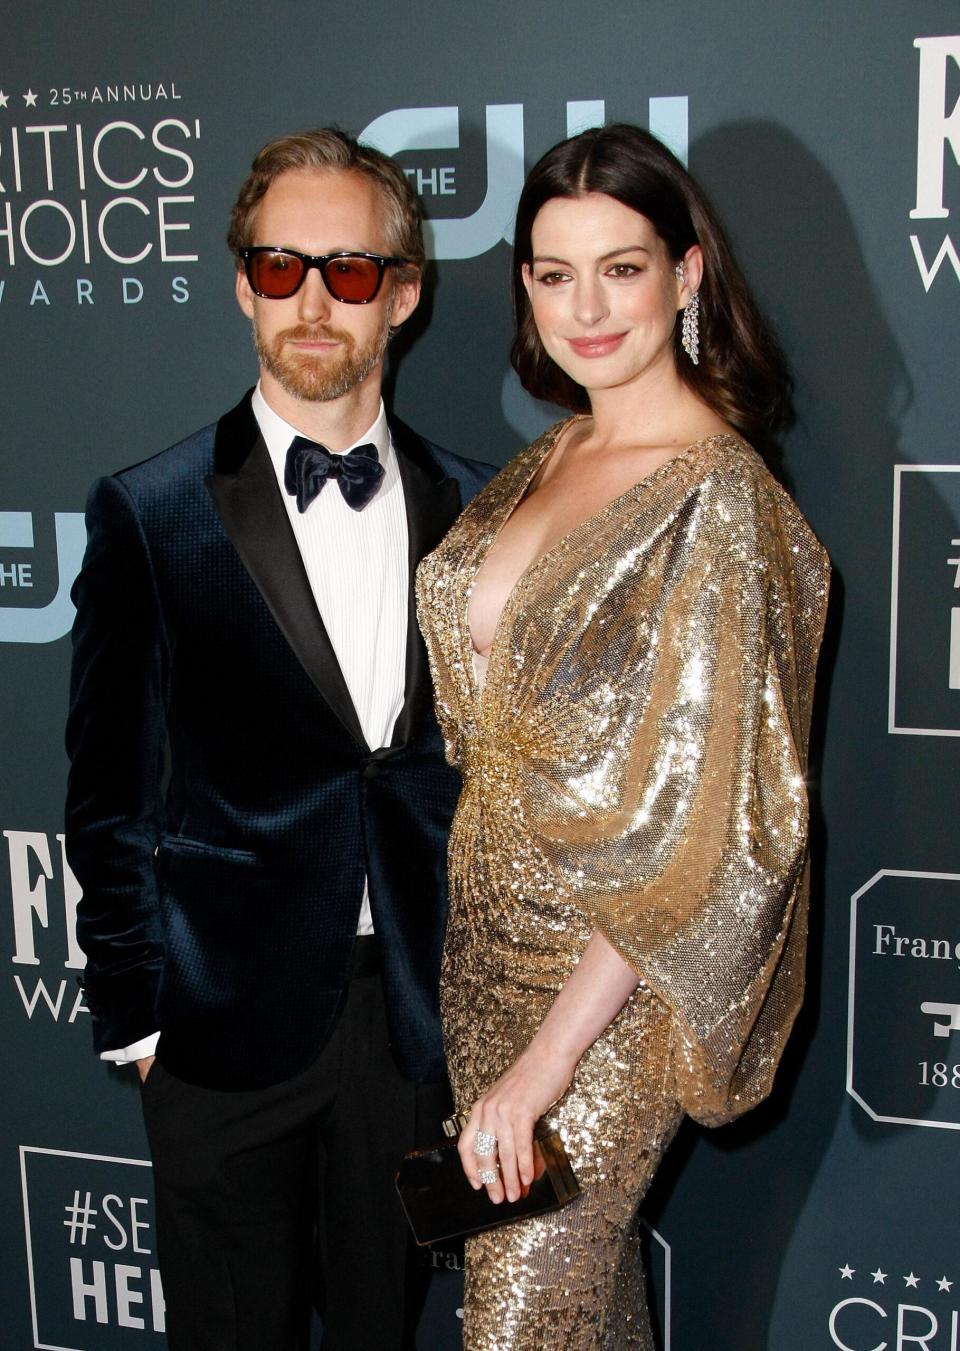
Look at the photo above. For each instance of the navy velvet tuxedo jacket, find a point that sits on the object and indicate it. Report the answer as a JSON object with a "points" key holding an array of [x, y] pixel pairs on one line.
{"points": [[223, 807]]}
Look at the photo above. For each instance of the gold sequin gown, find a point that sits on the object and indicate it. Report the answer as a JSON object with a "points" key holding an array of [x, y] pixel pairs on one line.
{"points": [[633, 762]]}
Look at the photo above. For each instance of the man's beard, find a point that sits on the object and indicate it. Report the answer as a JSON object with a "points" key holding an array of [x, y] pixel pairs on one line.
{"points": [[320, 378]]}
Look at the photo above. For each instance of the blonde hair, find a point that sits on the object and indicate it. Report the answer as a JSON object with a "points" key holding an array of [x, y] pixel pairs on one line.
{"points": [[328, 148]]}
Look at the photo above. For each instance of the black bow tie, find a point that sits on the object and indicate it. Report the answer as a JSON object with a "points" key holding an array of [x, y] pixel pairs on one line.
{"points": [[309, 465]]}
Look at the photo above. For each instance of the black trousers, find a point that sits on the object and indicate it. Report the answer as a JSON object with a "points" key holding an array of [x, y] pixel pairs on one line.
{"points": [[268, 1198]]}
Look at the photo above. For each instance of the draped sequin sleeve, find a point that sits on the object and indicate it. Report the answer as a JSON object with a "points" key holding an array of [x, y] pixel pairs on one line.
{"points": [[682, 819]]}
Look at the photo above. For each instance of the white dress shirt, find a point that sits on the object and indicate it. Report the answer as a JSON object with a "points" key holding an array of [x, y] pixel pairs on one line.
{"points": [[357, 566]]}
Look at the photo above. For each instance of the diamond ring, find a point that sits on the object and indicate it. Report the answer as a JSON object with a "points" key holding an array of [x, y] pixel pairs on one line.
{"points": [[488, 1176], [485, 1144]]}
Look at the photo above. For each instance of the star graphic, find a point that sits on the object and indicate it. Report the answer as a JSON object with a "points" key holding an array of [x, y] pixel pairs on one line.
{"points": [[846, 1272], [912, 1281], [879, 1277], [30, 99], [4, 99], [943, 1283]]}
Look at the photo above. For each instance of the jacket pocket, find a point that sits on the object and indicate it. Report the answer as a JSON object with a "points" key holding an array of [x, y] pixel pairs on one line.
{"points": [[182, 844]]}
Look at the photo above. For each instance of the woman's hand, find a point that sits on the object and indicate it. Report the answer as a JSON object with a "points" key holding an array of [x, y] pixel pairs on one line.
{"points": [[509, 1111], [596, 991]]}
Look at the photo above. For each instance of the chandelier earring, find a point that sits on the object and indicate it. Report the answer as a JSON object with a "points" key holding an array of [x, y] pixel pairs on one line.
{"points": [[690, 325]]}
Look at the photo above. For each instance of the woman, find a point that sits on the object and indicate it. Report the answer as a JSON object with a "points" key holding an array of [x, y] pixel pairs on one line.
{"points": [[623, 628]]}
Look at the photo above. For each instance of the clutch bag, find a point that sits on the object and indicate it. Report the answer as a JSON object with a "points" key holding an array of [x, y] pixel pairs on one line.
{"points": [[440, 1203]]}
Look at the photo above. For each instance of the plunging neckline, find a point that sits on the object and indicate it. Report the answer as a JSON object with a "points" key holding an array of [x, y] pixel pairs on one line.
{"points": [[591, 521]]}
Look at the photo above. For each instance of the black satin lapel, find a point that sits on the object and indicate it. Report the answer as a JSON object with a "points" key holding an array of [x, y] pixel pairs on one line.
{"points": [[237, 433], [432, 505], [255, 519]]}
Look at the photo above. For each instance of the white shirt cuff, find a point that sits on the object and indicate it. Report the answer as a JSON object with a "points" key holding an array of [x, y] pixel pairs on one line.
{"points": [[138, 1050]]}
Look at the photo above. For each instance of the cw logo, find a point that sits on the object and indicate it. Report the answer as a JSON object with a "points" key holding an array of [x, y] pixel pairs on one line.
{"points": [[40, 623], [406, 129]]}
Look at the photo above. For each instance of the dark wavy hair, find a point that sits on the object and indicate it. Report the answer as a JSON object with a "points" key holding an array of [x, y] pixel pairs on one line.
{"points": [[743, 374]]}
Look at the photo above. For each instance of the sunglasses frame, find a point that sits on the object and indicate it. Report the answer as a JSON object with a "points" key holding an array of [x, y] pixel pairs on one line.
{"points": [[319, 261]]}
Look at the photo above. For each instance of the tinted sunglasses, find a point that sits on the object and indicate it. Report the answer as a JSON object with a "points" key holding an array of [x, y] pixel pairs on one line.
{"points": [[352, 278]]}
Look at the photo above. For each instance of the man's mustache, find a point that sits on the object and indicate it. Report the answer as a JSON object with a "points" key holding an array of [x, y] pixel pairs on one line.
{"points": [[314, 333]]}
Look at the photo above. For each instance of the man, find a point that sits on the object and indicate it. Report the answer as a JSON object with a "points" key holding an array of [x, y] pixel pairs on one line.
{"points": [[258, 798]]}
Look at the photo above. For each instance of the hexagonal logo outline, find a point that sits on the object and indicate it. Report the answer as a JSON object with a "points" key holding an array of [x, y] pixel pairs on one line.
{"points": [[851, 996]]}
